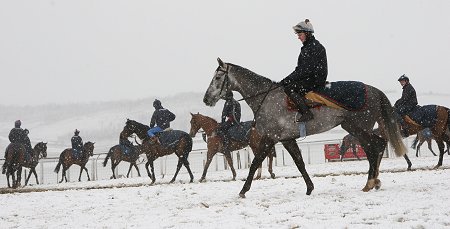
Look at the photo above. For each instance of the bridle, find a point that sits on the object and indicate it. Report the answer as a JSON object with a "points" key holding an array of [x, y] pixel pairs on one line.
{"points": [[226, 83]]}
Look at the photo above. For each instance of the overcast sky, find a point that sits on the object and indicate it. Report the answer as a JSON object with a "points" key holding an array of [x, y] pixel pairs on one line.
{"points": [[102, 50]]}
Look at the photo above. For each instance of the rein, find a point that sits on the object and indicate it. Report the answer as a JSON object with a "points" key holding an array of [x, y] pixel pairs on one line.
{"points": [[265, 93]]}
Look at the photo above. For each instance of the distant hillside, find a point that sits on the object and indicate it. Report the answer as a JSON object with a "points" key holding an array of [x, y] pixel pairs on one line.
{"points": [[102, 122]]}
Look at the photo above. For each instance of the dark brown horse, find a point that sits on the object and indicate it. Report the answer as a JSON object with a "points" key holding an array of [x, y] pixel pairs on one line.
{"points": [[117, 154], [16, 159], [67, 159], [215, 143], [440, 129], [153, 150]]}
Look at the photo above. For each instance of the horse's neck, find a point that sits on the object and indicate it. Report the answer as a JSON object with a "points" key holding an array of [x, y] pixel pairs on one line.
{"points": [[209, 125], [252, 87]]}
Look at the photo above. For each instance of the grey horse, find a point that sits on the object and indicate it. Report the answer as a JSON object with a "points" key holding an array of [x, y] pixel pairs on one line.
{"points": [[276, 122]]}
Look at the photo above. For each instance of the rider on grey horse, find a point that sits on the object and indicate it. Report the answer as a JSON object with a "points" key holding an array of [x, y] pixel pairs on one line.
{"points": [[407, 103], [311, 71], [231, 115]]}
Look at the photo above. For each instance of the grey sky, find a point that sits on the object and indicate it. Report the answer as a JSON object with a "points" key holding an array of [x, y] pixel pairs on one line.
{"points": [[90, 50]]}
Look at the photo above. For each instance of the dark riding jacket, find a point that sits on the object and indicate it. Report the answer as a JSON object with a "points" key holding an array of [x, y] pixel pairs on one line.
{"points": [[312, 68], [408, 101], [231, 111], [77, 143], [162, 118], [17, 135]]}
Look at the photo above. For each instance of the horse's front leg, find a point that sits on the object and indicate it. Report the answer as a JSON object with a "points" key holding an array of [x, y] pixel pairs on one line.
{"points": [[35, 175], [28, 177], [441, 146], [271, 156], [209, 156], [81, 171], [137, 169], [153, 171], [230, 163], [87, 173], [260, 154], [129, 169], [293, 149], [430, 148]]}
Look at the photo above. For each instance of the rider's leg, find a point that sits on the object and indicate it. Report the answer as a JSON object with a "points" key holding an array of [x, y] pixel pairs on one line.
{"points": [[300, 102]]}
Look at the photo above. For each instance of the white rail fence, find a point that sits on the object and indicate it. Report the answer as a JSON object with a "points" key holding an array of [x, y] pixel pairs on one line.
{"points": [[313, 153]]}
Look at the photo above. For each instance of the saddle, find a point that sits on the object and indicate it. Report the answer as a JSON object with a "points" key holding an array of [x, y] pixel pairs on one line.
{"points": [[169, 138], [425, 116], [77, 153], [240, 132], [347, 95]]}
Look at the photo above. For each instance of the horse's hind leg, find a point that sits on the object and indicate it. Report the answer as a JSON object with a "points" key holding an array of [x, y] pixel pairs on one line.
{"points": [[230, 163], [441, 146], [271, 156], [113, 168], [430, 148], [292, 147], [180, 163], [261, 153], [35, 175], [186, 164], [81, 171]]}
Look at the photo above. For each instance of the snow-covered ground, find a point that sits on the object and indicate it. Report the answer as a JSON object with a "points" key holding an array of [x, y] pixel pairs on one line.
{"points": [[415, 199]]}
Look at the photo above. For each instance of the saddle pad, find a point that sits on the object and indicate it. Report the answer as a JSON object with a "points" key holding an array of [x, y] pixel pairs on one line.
{"points": [[169, 138], [76, 153], [349, 95], [425, 116], [125, 149], [240, 132]]}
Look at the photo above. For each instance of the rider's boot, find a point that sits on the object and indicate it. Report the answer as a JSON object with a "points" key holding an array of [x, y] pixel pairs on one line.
{"points": [[304, 112]]}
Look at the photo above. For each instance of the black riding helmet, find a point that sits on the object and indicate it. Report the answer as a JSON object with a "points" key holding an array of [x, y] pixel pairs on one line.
{"points": [[229, 95], [403, 77], [157, 104]]}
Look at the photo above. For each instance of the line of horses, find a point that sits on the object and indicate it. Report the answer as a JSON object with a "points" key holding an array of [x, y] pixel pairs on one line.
{"points": [[273, 122]]}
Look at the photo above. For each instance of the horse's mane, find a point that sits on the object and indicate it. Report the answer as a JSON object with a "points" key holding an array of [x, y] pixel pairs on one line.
{"points": [[209, 118], [137, 124], [254, 78]]}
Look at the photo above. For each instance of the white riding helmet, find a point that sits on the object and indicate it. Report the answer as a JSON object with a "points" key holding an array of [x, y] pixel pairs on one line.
{"points": [[304, 26]]}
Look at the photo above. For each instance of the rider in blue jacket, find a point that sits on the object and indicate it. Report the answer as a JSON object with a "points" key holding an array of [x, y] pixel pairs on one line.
{"points": [[160, 121]]}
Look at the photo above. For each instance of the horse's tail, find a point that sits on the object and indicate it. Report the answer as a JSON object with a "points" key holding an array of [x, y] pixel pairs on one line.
{"points": [[4, 166], [58, 166], [188, 146], [107, 157], [391, 129]]}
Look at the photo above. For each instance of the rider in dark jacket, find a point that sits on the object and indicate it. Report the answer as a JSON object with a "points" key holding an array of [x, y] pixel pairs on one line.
{"points": [[311, 71], [17, 135], [406, 104], [231, 115], [408, 101], [161, 118], [77, 142]]}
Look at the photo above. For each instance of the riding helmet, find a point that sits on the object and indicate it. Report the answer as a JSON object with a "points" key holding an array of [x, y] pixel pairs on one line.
{"points": [[76, 132], [403, 77], [157, 104], [229, 95], [17, 124], [304, 26]]}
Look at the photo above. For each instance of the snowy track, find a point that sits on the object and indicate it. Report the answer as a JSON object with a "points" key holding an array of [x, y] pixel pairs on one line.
{"points": [[416, 199]]}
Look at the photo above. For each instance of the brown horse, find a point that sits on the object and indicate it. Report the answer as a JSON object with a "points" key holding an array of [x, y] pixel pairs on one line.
{"points": [[117, 154], [425, 136], [215, 143], [153, 150], [440, 130], [16, 159], [66, 159]]}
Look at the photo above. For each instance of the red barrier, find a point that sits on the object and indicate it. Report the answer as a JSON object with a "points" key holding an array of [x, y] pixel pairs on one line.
{"points": [[332, 152]]}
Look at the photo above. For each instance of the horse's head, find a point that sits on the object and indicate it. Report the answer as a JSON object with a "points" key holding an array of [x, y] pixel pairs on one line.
{"points": [[41, 149], [195, 124], [220, 84], [137, 128], [88, 147]]}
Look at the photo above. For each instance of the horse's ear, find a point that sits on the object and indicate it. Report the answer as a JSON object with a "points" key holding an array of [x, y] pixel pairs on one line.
{"points": [[220, 62], [198, 112], [191, 114]]}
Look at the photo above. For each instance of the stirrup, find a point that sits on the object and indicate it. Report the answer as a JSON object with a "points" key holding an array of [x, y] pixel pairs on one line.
{"points": [[307, 116]]}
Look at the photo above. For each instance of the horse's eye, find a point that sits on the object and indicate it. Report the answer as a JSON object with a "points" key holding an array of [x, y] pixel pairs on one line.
{"points": [[217, 77]]}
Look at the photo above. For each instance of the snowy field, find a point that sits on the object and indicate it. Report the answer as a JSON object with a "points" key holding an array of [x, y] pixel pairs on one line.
{"points": [[414, 199]]}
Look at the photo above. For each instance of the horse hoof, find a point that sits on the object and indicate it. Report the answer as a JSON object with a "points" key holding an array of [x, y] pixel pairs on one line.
{"points": [[242, 195], [377, 184], [201, 180], [172, 181], [436, 167], [192, 181], [258, 177], [309, 190], [272, 175]]}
